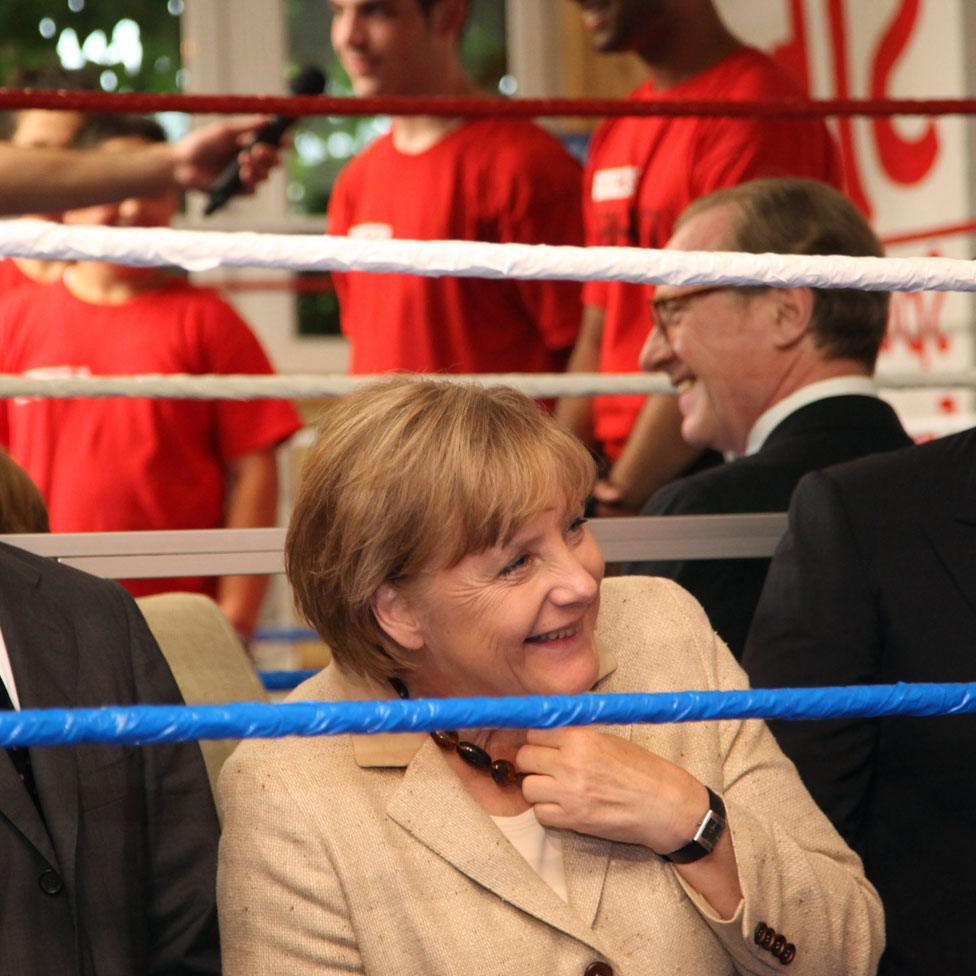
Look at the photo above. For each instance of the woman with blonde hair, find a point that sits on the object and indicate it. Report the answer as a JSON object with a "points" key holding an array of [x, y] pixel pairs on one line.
{"points": [[438, 546], [22, 508]]}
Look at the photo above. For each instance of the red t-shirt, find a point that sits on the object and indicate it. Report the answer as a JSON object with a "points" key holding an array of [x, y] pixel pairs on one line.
{"points": [[643, 172], [118, 464], [497, 180], [11, 276]]}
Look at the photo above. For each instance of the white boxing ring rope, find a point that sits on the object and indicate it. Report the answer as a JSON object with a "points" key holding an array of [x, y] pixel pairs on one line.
{"points": [[302, 387], [206, 250]]}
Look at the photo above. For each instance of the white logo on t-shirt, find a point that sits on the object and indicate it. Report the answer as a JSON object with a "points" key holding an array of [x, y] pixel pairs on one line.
{"points": [[371, 231], [616, 183]]}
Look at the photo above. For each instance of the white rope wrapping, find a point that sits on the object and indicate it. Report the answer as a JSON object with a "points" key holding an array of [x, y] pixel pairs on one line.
{"points": [[205, 250], [306, 387], [297, 387]]}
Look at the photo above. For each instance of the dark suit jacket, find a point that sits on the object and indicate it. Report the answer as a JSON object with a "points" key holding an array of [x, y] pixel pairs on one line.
{"points": [[875, 582], [122, 878], [820, 434]]}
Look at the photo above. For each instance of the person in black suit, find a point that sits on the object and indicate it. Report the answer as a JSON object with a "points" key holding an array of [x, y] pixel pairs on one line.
{"points": [[108, 852], [875, 582], [778, 377]]}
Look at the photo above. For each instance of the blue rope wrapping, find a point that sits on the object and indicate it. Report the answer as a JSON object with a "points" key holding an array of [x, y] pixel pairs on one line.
{"points": [[284, 680], [163, 723], [284, 635]]}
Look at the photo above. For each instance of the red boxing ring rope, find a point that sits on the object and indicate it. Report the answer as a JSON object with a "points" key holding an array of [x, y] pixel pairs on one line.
{"points": [[477, 107]]}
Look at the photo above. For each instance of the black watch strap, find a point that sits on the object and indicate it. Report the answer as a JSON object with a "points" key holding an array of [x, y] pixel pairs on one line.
{"points": [[707, 835]]}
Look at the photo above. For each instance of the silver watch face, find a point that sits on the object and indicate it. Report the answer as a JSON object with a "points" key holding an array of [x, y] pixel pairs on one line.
{"points": [[710, 830]]}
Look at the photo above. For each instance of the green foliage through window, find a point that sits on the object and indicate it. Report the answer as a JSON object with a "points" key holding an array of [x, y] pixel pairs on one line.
{"points": [[131, 46]]}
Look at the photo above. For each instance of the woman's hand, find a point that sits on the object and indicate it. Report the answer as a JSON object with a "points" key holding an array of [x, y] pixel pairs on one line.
{"points": [[599, 784], [605, 786]]}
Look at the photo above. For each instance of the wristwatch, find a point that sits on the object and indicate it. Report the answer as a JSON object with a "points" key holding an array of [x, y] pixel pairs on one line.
{"points": [[707, 835]]}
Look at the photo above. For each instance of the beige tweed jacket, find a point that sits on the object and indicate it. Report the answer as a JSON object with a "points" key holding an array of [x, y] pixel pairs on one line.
{"points": [[367, 855]]}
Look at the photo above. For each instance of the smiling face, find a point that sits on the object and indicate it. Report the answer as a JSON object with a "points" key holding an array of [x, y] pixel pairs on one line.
{"points": [[516, 619], [386, 46], [717, 351]]}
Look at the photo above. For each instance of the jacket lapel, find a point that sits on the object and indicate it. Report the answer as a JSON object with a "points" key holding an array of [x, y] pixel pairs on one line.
{"points": [[586, 859], [45, 665], [432, 805]]}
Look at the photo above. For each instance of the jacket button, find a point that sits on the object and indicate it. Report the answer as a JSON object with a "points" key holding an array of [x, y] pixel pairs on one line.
{"points": [[599, 968], [759, 934], [779, 943], [788, 954], [50, 882]]}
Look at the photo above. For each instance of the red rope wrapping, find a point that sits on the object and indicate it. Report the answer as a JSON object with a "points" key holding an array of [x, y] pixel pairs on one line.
{"points": [[300, 105], [950, 230], [491, 107]]}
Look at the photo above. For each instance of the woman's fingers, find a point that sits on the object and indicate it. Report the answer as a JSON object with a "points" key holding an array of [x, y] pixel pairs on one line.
{"points": [[603, 785]]}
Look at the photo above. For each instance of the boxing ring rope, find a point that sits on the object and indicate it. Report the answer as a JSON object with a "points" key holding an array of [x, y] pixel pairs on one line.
{"points": [[446, 106], [297, 106], [206, 250], [142, 724], [303, 387]]}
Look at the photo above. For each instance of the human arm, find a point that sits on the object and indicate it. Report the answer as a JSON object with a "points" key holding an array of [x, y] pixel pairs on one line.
{"points": [[576, 413], [252, 502], [816, 625], [602, 785], [655, 453], [33, 180], [795, 874]]}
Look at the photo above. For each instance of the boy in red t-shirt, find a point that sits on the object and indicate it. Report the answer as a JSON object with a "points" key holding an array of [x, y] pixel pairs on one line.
{"points": [[431, 178], [138, 463]]}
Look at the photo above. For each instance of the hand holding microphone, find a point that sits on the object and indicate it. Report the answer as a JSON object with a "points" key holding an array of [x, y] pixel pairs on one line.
{"points": [[309, 81]]}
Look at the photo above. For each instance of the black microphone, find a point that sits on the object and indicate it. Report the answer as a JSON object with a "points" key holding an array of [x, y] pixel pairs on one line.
{"points": [[309, 81]]}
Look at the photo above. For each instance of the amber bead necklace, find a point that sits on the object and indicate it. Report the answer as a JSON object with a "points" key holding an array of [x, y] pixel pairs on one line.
{"points": [[501, 770]]}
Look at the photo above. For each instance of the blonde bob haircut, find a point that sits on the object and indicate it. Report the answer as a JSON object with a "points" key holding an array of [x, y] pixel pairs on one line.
{"points": [[410, 476], [22, 507]]}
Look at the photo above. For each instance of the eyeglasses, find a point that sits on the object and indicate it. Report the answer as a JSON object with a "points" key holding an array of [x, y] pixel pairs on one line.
{"points": [[666, 312]]}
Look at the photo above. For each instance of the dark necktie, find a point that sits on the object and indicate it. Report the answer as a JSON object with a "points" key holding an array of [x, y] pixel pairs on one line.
{"points": [[20, 756]]}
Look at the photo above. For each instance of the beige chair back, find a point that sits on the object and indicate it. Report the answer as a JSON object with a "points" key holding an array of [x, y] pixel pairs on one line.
{"points": [[207, 658]]}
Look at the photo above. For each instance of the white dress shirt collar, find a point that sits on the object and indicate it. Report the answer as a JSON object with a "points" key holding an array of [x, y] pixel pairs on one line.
{"points": [[776, 414], [7, 673]]}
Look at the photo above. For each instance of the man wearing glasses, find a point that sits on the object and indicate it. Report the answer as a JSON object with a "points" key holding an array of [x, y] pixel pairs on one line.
{"points": [[779, 379], [641, 173]]}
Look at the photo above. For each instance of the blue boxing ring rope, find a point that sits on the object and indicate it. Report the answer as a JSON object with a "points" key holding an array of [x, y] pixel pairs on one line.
{"points": [[141, 724]]}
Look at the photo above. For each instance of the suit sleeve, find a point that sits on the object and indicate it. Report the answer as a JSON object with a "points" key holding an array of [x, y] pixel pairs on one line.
{"points": [[264, 852], [726, 588], [181, 828], [816, 625], [797, 876]]}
